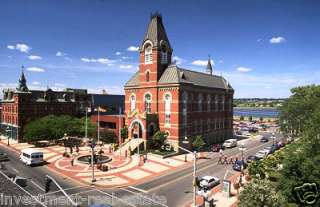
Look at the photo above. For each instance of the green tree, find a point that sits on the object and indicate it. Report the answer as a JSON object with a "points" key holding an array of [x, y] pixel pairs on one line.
{"points": [[261, 119], [260, 193], [54, 127], [198, 142], [250, 118], [108, 136], [158, 139], [241, 118], [124, 132]]}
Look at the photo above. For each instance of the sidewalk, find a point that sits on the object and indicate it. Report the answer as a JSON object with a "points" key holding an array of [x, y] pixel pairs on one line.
{"points": [[219, 199], [123, 171]]}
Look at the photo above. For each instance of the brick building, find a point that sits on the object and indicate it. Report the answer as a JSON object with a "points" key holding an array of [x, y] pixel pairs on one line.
{"points": [[111, 116], [21, 105], [184, 103]]}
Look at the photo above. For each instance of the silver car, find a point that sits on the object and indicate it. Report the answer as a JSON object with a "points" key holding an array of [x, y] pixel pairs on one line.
{"points": [[208, 182]]}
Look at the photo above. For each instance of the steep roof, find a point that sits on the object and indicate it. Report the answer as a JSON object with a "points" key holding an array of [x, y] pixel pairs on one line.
{"points": [[173, 74], [156, 32]]}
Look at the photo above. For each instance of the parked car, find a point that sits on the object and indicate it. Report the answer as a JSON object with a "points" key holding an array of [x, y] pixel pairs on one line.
{"points": [[3, 156], [239, 164], [261, 154], [208, 182], [216, 147], [275, 147], [264, 139], [251, 158], [269, 150], [280, 144], [253, 129], [230, 143]]}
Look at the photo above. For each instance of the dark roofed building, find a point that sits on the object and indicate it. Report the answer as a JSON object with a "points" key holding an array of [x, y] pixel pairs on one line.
{"points": [[181, 102]]}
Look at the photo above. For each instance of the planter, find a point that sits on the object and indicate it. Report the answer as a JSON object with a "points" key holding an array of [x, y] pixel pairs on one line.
{"points": [[105, 168]]}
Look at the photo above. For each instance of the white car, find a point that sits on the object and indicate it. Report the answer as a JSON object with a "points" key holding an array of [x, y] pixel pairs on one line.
{"points": [[261, 154], [208, 182], [230, 143]]}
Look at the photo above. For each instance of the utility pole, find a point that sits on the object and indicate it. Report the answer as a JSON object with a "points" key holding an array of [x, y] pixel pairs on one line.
{"points": [[98, 124], [120, 141], [86, 130], [93, 179]]}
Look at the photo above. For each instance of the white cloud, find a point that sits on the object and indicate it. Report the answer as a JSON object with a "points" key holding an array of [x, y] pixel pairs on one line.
{"points": [[201, 62], [133, 49], [244, 69], [125, 66], [34, 57], [35, 69], [178, 60], [125, 57], [35, 83], [11, 47], [59, 84], [23, 47], [99, 60], [61, 54], [118, 53], [277, 40]]}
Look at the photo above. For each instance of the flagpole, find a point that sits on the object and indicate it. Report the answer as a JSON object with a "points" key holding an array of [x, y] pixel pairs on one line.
{"points": [[86, 131]]}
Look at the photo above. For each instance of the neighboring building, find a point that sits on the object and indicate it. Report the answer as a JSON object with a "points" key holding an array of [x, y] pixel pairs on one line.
{"points": [[111, 112], [181, 102], [21, 105]]}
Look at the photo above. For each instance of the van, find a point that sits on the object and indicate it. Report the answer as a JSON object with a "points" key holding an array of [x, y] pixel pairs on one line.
{"points": [[230, 143], [31, 156]]}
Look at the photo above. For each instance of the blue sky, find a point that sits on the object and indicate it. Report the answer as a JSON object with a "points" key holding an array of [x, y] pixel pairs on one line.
{"points": [[263, 48]]}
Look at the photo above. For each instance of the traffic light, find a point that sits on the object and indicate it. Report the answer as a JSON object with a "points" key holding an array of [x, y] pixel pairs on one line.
{"points": [[47, 184]]}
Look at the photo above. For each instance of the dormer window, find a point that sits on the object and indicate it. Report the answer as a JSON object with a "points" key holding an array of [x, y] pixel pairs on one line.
{"points": [[164, 55], [148, 54]]}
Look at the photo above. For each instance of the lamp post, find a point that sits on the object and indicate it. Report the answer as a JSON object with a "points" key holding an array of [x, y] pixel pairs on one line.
{"points": [[194, 167], [65, 143], [7, 131], [273, 138], [93, 144]]}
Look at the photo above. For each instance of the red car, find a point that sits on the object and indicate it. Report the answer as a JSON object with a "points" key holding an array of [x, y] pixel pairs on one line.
{"points": [[217, 147]]}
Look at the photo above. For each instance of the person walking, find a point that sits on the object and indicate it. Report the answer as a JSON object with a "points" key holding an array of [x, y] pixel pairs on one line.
{"points": [[220, 160], [231, 160], [71, 161], [225, 161]]}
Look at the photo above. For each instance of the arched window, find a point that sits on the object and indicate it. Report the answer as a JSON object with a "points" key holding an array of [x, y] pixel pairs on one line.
{"points": [[184, 108], [200, 97], [148, 54], [216, 102], [209, 102], [222, 102], [132, 102], [164, 55], [147, 103], [167, 108], [148, 76]]}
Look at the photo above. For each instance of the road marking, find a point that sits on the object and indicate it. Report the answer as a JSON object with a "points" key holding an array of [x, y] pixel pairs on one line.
{"points": [[65, 189], [14, 169], [124, 201], [34, 183], [199, 170], [46, 201], [144, 197], [138, 189]]}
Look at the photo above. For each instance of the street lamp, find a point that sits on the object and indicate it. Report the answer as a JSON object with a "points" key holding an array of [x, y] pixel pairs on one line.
{"points": [[7, 131], [194, 167], [273, 138], [65, 138]]}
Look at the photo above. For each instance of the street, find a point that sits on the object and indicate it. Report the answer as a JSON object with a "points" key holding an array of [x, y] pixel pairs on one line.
{"points": [[171, 189]]}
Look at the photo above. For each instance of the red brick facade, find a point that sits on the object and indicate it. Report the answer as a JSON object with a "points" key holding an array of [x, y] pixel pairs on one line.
{"points": [[183, 109]]}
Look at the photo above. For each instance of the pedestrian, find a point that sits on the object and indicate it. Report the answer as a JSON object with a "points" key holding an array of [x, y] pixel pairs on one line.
{"points": [[225, 161], [145, 159], [77, 149], [126, 153], [237, 159], [72, 162], [231, 160], [220, 160], [221, 152]]}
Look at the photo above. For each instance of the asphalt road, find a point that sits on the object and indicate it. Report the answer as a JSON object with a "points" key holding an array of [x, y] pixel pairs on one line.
{"points": [[172, 189]]}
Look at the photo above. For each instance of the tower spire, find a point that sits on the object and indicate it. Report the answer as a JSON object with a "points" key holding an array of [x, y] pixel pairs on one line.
{"points": [[22, 82], [209, 66]]}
